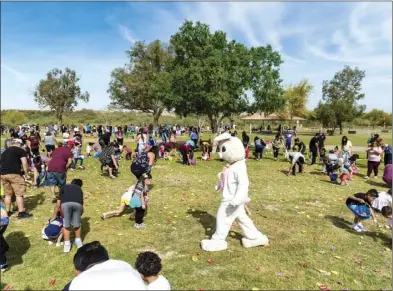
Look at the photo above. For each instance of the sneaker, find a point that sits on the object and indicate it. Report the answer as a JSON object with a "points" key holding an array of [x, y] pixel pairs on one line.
{"points": [[24, 215], [67, 248], [357, 228], [78, 243], [360, 225], [367, 177], [142, 225], [376, 177], [136, 225], [4, 267], [81, 167]]}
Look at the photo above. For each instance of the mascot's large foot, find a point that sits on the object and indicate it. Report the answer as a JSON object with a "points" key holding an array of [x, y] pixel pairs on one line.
{"points": [[214, 245], [250, 243]]}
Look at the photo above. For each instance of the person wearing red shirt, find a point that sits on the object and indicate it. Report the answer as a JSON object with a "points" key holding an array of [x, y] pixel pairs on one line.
{"points": [[57, 167]]}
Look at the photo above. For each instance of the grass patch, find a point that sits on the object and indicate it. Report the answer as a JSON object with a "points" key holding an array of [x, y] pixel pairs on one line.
{"points": [[305, 218]]}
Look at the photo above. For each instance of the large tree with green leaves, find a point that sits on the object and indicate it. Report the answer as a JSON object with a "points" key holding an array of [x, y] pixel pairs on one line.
{"points": [[211, 75], [60, 92], [145, 82], [297, 98], [342, 93], [378, 117]]}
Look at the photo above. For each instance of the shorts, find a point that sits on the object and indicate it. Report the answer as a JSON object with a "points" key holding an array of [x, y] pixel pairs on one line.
{"points": [[72, 214], [50, 148], [56, 179], [13, 184], [361, 211], [344, 177], [124, 201]]}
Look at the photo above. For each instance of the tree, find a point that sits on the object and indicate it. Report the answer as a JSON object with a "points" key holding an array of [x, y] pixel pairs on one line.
{"points": [[265, 80], [13, 118], [378, 117], [297, 98], [211, 75], [342, 94], [145, 82], [325, 114], [60, 92]]}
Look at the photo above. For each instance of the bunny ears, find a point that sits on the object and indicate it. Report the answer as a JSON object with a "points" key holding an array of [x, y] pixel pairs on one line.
{"points": [[220, 139]]}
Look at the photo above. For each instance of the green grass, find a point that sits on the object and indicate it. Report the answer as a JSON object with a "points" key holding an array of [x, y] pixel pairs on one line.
{"points": [[305, 218]]}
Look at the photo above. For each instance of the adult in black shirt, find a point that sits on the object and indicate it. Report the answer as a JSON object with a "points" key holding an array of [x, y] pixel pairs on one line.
{"points": [[321, 140], [71, 201], [314, 148], [300, 146], [105, 140], [11, 162]]}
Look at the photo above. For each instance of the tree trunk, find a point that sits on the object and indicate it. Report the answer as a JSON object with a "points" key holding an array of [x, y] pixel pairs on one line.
{"points": [[156, 116], [213, 124], [341, 128]]}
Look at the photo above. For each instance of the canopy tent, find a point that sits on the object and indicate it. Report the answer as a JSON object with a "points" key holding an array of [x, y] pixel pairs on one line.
{"points": [[271, 117]]}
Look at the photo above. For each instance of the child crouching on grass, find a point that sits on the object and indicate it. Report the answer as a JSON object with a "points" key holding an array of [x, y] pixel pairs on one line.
{"points": [[360, 205], [53, 231], [149, 266], [126, 199]]}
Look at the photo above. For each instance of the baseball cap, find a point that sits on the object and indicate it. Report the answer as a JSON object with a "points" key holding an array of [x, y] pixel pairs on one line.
{"points": [[70, 143]]}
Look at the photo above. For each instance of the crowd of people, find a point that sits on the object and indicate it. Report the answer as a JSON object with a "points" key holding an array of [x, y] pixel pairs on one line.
{"points": [[49, 159]]}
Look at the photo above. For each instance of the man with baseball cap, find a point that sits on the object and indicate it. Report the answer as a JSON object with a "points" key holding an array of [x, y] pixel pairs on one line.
{"points": [[11, 163], [57, 167]]}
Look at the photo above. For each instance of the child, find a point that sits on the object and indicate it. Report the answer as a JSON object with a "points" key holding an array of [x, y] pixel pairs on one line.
{"points": [[336, 151], [3, 243], [161, 152], [54, 230], [71, 201], [139, 199], [206, 149], [149, 266], [124, 202], [89, 149], [387, 213], [77, 150], [128, 152], [344, 174], [360, 205]]}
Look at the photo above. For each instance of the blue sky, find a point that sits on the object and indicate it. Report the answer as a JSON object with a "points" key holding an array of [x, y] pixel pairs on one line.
{"points": [[316, 39]]}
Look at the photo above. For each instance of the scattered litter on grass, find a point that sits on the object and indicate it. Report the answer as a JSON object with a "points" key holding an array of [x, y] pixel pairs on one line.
{"points": [[210, 261], [335, 273], [119, 234], [333, 248], [258, 268], [52, 282], [337, 257], [321, 252], [326, 273], [8, 287]]}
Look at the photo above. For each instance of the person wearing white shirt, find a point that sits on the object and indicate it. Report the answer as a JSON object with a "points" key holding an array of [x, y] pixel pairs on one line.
{"points": [[296, 158], [149, 266], [95, 271]]}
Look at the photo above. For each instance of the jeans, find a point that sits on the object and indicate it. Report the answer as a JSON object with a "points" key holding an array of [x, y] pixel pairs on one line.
{"points": [[259, 152], [300, 168], [75, 161]]}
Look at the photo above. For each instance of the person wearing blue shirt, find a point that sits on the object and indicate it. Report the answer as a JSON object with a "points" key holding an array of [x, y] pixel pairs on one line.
{"points": [[194, 136]]}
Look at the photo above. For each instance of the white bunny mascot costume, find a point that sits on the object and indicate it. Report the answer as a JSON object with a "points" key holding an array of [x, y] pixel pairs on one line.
{"points": [[234, 187]]}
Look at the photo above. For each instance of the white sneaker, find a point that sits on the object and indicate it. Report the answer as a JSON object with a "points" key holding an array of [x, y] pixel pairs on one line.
{"points": [[367, 177], [67, 248], [357, 228], [376, 177], [78, 243], [360, 225]]}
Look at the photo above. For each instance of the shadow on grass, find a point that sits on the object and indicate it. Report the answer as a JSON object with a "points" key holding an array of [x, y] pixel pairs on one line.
{"points": [[377, 184], [207, 220], [319, 173], [19, 245], [85, 227], [347, 226], [33, 201]]}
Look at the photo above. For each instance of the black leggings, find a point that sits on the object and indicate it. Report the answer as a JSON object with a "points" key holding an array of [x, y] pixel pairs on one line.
{"points": [[372, 166], [275, 152], [120, 141], [139, 214]]}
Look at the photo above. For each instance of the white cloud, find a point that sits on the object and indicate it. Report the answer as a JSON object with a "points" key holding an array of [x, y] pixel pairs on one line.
{"points": [[126, 33], [315, 39]]}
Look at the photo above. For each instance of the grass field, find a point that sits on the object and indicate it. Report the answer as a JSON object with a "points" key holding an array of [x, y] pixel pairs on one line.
{"points": [[305, 218]]}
